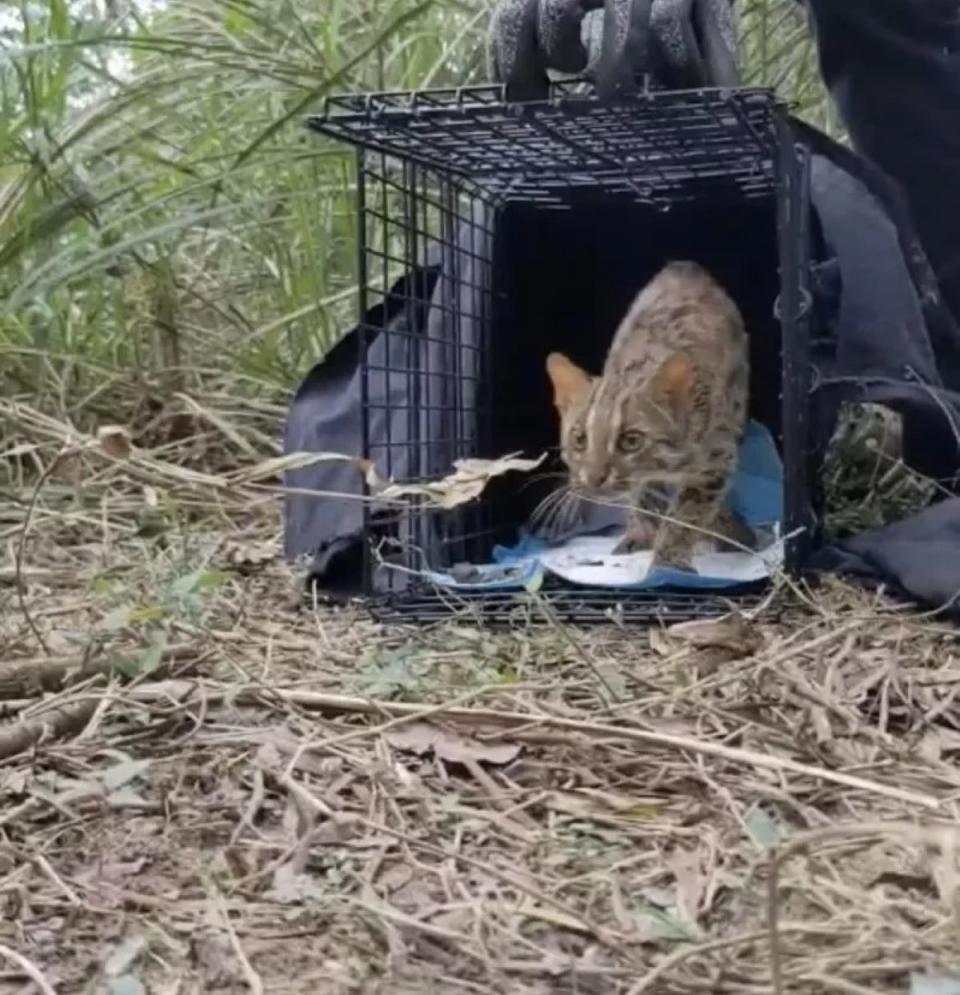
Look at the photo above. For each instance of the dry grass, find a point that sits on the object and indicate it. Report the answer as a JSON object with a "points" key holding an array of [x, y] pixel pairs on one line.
{"points": [[208, 788]]}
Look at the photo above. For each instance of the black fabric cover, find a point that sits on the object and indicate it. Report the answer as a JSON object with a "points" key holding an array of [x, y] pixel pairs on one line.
{"points": [[893, 69], [884, 333], [918, 557]]}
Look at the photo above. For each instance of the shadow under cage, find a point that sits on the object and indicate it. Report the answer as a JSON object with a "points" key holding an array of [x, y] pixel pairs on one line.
{"points": [[491, 234]]}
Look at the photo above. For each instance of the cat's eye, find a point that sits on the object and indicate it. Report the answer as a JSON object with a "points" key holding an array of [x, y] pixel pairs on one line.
{"points": [[629, 442], [578, 439]]}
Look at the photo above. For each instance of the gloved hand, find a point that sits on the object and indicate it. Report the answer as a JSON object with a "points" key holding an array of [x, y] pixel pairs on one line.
{"points": [[677, 43]]}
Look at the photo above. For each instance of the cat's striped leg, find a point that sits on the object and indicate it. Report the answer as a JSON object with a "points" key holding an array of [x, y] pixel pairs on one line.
{"points": [[641, 528], [730, 526], [697, 512]]}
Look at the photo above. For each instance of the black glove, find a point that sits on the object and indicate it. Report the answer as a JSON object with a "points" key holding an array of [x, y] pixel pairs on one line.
{"points": [[676, 43]]}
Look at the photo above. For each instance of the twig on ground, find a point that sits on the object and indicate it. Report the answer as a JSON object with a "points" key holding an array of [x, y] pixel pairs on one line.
{"points": [[670, 961], [253, 980], [29, 969], [403, 711], [56, 724], [33, 676]]}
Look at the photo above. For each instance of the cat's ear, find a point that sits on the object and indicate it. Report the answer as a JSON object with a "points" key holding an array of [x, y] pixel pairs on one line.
{"points": [[672, 384], [569, 381]]}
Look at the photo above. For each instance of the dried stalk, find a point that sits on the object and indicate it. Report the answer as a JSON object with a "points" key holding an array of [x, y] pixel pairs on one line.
{"points": [[60, 722], [404, 712]]}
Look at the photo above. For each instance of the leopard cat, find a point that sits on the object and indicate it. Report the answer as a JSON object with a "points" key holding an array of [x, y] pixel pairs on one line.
{"points": [[665, 417]]}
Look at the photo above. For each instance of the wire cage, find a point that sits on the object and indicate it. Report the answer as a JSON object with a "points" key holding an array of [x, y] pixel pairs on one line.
{"points": [[492, 233]]}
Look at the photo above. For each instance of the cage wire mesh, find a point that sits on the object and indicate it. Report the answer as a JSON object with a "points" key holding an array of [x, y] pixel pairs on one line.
{"points": [[426, 392], [663, 147], [435, 172]]}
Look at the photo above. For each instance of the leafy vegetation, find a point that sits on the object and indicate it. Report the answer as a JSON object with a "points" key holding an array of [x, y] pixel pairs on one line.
{"points": [[166, 223]]}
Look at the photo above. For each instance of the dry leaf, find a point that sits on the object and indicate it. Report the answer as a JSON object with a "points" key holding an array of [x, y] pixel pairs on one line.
{"points": [[422, 738], [102, 883], [415, 895], [691, 883], [588, 804], [394, 878], [122, 959], [943, 870], [122, 774], [457, 920], [244, 862], [667, 924], [660, 642], [214, 955], [68, 467], [291, 886], [295, 821], [14, 782], [467, 482], [765, 830], [820, 722], [128, 984], [735, 634], [247, 557], [531, 910], [709, 643], [115, 441], [628, 805]]}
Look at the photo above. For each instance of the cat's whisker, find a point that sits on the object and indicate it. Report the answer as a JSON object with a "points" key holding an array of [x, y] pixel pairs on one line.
{"points": [[546, 508], [560, 521], [623, 501], [571, 512], [539, 479], [552, 498], [565, 515], [556, 514]]}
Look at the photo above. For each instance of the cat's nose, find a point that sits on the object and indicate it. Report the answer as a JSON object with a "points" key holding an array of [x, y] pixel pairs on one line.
{"points": [[593, 478]]}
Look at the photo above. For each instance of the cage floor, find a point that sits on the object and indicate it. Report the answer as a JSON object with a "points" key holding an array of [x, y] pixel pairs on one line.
{"points": [[574, 606]]}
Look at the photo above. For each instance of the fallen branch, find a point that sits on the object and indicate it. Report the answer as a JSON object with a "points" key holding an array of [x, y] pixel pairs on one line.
{"points": [[67, 718], [61, 721], [404, 712], [684, 953], [42, 575], [54, 726], [38, 675], [28, 969]]}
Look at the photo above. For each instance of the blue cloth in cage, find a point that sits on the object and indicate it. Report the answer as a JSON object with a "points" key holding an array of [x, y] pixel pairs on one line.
{"points": [[756, 494]]}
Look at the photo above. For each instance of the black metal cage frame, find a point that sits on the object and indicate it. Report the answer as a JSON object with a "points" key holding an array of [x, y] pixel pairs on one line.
{"points": [[435, 172]]}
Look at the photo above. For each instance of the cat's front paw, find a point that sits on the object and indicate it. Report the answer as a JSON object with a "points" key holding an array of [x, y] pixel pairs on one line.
{"points": [[735, 535], [675, 552], [631, 544], [674, 561], [639, 538], [641, 533]]}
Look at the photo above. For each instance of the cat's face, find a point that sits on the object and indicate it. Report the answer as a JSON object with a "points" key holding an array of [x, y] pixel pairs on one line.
{"points": [[616, 433]]}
